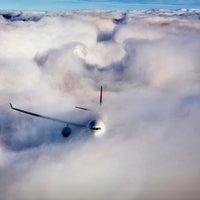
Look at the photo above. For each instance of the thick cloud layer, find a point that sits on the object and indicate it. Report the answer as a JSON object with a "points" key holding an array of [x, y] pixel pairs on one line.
{"points": [[148, 63]]}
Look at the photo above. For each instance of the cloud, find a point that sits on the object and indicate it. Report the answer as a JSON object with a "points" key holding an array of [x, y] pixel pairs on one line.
{"points": [[148, 64]]}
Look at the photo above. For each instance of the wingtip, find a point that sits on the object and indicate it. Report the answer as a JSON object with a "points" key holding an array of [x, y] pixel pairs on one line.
{"points": [[11, 105]]}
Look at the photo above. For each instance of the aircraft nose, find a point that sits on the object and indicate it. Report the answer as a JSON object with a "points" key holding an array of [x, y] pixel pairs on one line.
{"points": [[97, 127]]}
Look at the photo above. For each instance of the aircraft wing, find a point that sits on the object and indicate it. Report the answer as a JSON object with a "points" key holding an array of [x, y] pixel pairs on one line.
{"points": [[46, 117]]}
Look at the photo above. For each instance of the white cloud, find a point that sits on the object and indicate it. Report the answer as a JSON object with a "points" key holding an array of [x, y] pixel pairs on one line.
{"points": [[148, 63]]}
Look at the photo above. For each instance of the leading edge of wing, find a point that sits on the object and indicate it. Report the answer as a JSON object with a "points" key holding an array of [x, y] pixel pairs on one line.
{"points": [[46, 117]]}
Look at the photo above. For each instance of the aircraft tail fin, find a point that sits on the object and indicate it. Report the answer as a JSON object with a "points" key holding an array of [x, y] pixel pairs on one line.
{"points": [[101, 96]]}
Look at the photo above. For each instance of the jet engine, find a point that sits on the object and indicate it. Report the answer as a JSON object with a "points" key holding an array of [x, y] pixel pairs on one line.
{"points": [[66, 132]]}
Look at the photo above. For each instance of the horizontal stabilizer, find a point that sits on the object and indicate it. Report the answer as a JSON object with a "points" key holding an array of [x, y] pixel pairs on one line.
{"points": [[81, 108]]}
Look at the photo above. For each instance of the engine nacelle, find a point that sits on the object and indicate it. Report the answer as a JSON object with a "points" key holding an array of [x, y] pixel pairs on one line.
{"points": [[66, 131]]}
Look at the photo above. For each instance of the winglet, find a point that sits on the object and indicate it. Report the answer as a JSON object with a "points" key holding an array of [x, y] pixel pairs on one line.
{"points": [[11, 105]]}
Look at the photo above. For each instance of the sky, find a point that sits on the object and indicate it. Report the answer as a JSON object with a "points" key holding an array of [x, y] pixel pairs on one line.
{"points": [[104, 4], [148, 63]]}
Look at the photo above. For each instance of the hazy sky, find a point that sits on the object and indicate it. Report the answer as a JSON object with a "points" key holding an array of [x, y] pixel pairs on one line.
{"points": [[104, 4]]}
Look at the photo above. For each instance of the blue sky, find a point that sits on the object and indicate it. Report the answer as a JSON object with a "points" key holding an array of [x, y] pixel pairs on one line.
{"points": [[98, 4]]}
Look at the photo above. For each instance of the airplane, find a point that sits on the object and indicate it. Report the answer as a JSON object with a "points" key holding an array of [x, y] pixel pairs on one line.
{"points": [[96, 125]]}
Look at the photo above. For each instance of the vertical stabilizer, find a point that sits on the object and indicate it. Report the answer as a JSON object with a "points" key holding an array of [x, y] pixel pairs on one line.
{"points": [[101, 95]]}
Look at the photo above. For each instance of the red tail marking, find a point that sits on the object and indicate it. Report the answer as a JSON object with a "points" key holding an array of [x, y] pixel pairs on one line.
{"points": [[101, 95]]}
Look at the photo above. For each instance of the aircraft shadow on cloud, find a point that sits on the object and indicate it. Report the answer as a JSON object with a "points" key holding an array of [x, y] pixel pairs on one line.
{"points": [[96, 126]]}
